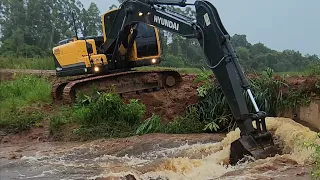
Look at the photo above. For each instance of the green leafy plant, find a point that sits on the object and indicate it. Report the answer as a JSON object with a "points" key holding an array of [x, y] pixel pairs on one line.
{"points": [[150, 125], [189, 123], [272, 94], [106, 115]]}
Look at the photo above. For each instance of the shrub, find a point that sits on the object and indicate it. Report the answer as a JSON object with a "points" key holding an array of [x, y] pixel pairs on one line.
{"points": [[151, 125], [189, 123], [106, 115]]}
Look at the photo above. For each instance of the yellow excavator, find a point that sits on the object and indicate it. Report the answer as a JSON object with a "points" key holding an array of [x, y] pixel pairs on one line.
{"points": [[131, 39], [109, 59]]}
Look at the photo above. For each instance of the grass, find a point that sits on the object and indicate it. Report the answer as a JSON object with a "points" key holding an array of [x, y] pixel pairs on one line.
{"points": [[101, 115], [27, 63], [21, 101]]}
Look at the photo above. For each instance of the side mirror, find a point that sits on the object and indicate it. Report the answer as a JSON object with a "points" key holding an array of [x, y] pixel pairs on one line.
{"points": [[89, 48]]}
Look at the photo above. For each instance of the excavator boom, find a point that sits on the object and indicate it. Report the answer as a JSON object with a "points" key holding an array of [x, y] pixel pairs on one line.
{"points": [[220, 57]]}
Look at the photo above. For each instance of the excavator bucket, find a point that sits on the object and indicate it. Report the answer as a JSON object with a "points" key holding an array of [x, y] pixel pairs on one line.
{"points": [[258, 148]]}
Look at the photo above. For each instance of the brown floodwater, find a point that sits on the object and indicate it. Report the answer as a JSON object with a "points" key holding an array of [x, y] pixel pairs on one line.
{"points": [[160, 156]]}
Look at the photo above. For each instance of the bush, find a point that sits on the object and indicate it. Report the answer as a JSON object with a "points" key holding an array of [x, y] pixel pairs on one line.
{"points": [[189, 123], [151, 125], [21, 101], [106, 115]]}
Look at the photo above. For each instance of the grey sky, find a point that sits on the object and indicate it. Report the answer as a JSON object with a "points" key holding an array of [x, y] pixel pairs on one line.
{"points": [[285, 24]]}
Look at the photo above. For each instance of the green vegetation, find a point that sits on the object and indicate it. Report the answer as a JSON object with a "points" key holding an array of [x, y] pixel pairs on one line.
{"points": [[31, 28], [315, 157], [189, 123], [315, 172], [21, 101], [212, 113], [45, 63], [100, 115], [313, 69]]}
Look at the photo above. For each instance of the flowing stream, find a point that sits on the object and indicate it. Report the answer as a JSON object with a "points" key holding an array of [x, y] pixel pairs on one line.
{"points": [[117, 158]]}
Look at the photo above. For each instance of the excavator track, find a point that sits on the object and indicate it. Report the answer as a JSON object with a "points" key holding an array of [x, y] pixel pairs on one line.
{"points": [[57, 89], [122, 82]]}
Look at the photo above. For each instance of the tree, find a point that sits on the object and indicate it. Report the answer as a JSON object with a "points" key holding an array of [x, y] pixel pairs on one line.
{"points": [[240, 41], [41, 24], [90, 21]]}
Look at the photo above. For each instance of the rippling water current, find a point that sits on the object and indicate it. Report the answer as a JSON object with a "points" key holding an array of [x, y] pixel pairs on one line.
{"points": [[188, 161]]}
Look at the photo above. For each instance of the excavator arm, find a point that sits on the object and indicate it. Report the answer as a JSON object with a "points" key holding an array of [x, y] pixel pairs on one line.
{"points": [[220, 57]]}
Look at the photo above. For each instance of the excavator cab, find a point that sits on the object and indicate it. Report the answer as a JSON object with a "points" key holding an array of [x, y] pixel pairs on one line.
{"points": [[139, 43]]}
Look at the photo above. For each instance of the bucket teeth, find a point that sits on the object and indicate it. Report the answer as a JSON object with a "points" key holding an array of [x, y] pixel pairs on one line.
{"points": [[257, 148]]}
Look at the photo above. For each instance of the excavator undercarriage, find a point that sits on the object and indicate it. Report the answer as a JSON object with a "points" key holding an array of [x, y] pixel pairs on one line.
{"points": [[121, 82]]}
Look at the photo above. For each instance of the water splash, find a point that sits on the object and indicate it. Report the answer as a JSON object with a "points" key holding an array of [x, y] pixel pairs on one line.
{"points": [[209, 161], [187, 162]]}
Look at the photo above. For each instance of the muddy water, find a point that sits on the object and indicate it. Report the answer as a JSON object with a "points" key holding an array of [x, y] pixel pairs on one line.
{"points": [[160, 156]]}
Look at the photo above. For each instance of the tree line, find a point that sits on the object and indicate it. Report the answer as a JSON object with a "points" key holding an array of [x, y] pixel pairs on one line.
{"points": [[31, 28]]}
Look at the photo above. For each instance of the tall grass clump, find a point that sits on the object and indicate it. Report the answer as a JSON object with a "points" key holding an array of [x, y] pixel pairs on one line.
{"points": [[106, 115], [44, 63], [272, 94], [20, 102]]}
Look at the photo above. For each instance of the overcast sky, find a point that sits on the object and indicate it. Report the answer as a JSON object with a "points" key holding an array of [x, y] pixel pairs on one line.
{"points": [[279, 24]]}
